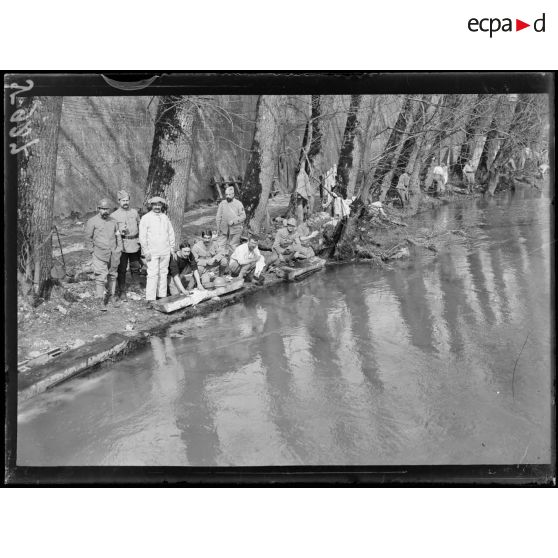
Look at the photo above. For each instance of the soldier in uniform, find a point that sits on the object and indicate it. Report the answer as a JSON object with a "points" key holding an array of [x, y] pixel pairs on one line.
{"points": [[230, 219], [288, 244], [440, 177], [209, 257], [469, 174], [180, 267], [105, 244], [403, 186], [128, 224]]}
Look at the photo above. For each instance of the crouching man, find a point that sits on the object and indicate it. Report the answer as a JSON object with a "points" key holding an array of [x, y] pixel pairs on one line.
{"points": [[181, 266], [105, 244], [288, 244], [247, 262], [210, 258]]}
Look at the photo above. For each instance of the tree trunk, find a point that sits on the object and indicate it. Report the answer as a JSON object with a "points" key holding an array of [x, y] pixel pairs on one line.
{"points": [[448, 120], [260, 169], [445, 121], [171, 155], [501, 119], [304, 150], [345, 166], [302, 163], [472, 125], [421, 148], [517, 137], [390, 150], [365, 116], [36, 183], [403, 149], [317, 138]]}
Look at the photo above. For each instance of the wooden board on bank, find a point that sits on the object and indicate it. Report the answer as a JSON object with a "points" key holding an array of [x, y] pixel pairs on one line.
{"points": [[301, 271], [179, 301]]}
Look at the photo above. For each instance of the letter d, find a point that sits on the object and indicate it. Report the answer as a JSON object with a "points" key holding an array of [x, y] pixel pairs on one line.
{"points": [[535, 25]]}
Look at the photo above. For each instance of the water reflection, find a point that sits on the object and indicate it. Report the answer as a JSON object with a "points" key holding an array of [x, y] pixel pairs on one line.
{"points": [[354, 366]]}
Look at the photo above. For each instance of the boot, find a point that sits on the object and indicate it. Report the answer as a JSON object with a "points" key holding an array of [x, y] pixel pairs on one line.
{"points": [[112, 289], [121, 289], [122, 293], [100, 297]]}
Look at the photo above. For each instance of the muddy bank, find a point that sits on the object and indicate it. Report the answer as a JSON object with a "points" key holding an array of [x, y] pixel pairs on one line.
{"points": [[69, 324]]}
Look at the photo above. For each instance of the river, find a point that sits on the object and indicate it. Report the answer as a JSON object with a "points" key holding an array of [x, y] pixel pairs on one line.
{"points": [[446, 359]]}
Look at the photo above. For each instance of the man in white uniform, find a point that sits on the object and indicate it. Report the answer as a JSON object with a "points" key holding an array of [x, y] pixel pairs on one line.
{"points": [[156, 237], [247, 262]]}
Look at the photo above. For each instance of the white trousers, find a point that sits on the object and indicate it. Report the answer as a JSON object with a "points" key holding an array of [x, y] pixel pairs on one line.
{"points": [[157, 271]]}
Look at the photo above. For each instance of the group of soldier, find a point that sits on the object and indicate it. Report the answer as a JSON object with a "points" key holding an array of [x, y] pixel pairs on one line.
{"points": [[439, 180], [123, 239]]}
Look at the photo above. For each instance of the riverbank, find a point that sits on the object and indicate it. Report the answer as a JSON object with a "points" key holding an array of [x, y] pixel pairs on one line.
{"points": [[70, 327]]}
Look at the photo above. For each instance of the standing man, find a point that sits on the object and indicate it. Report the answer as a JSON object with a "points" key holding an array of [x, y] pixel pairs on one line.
{"points": [[209, 257], [128, 224], [156, 237], [105, 245], [403, 186], [230, 218], [439, 177], [246, 261], [179, 267], [304, 196], [469, 174]]}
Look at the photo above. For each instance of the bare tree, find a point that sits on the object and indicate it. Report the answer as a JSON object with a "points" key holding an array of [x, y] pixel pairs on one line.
{"points": [[391, 150], [421, 147], [406, 152], [522, 132], [171, 155], [319, 132], [502, 114], [345, 166], [263, 157], [36, 182]]}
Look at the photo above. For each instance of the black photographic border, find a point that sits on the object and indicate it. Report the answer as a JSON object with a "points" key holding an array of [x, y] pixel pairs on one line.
{"points": [[93, 83]]}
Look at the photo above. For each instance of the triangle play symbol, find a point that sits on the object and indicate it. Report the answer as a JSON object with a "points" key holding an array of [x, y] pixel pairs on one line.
{"points": [[519, 25]]}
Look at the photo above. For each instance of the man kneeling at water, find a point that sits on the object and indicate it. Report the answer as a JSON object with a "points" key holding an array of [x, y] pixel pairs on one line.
{"points": [[288, 244], [246, 261], [184, 264]]}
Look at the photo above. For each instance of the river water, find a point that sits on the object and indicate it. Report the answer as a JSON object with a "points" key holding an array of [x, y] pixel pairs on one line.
{"points": [[446, 359]]}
